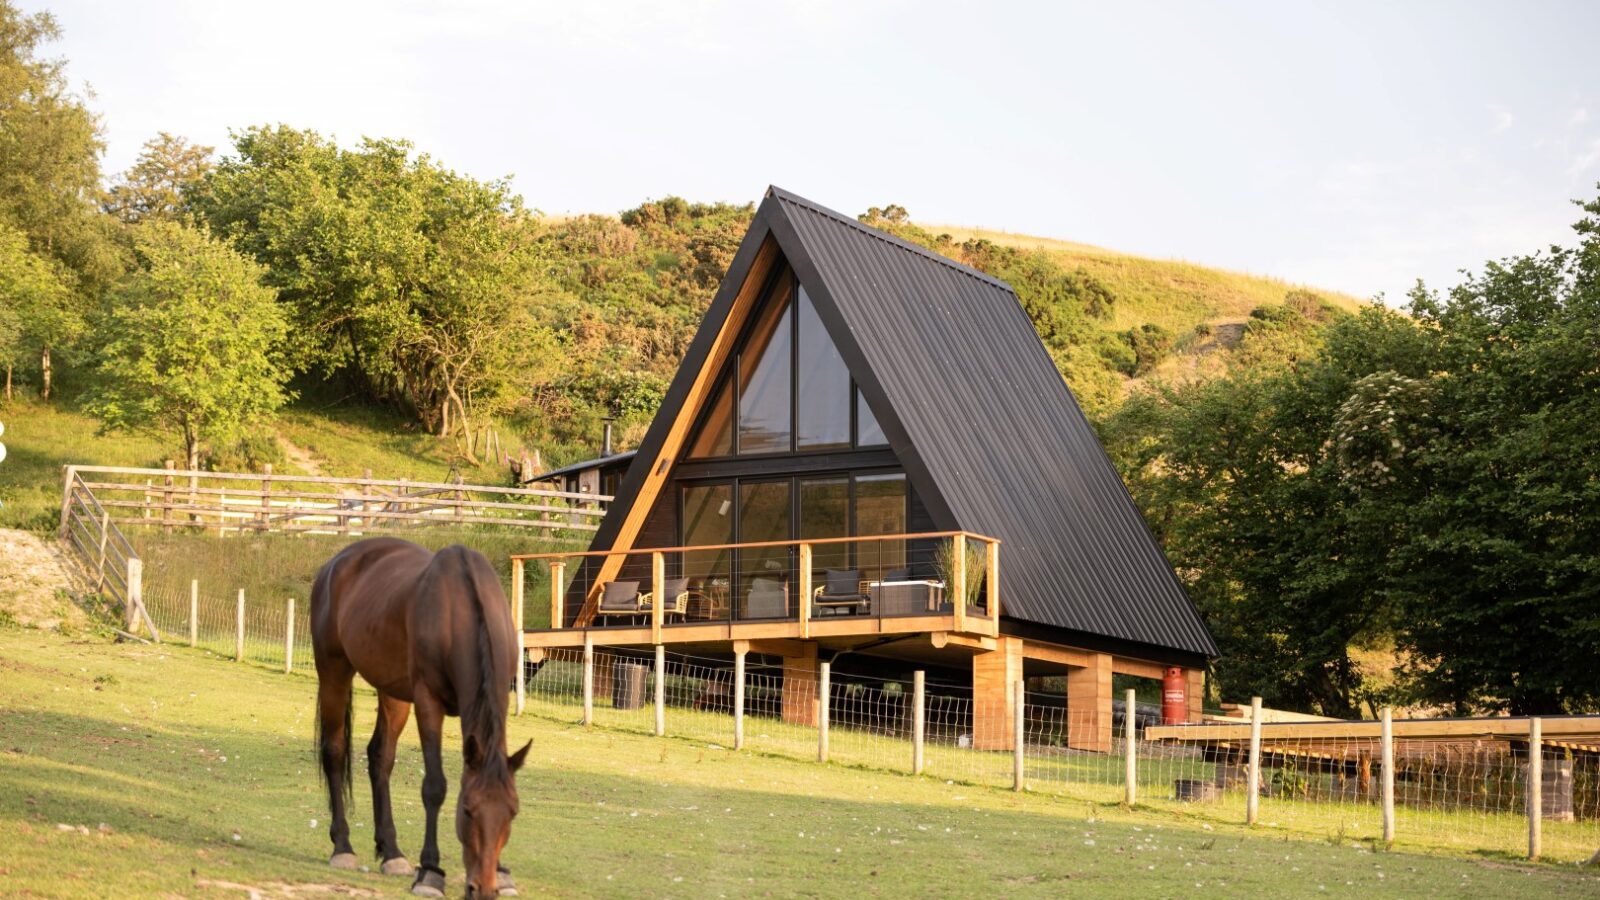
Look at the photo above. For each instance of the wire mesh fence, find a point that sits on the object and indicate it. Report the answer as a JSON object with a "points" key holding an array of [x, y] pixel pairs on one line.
{"points": [[252, 630], [1454, 795]]}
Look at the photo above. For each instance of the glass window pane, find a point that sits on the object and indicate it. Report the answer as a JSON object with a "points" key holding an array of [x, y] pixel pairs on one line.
{"points": [[716, 432], [764, 378], [708, 521], [765, 588], [825, 513], [823, 399], [868, 433], [880, 509]]}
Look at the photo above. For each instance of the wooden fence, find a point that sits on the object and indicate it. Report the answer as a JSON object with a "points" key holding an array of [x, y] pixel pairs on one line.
{"points": [[236, 502], [106, 562]]}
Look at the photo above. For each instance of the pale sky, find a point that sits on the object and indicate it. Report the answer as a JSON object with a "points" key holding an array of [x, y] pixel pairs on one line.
{"points": [[1353, 145]]}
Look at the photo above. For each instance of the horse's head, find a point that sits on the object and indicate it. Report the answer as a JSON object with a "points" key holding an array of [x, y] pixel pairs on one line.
{"points": [[484, 809]]}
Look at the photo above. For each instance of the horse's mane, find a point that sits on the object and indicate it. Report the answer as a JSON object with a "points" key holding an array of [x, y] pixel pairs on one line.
{"points": [[484, 718]]}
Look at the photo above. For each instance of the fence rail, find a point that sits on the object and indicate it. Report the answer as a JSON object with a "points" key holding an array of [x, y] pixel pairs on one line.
{"points": [[106, 562], [236, 502]]}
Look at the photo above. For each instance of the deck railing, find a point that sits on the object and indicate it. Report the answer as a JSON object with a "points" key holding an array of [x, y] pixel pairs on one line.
{"points": [[950, 574]]}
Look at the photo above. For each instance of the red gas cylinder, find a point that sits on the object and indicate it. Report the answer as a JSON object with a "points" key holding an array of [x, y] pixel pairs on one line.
{"points": [[1174, 697]]}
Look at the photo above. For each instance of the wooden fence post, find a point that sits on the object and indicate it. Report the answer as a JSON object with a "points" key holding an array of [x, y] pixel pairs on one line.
{"points": [[266, 496], [135, 602], [1019, 704], [1252, 788], [824, 707], [588, 679], [194, 612], [1130, 738], [166, 496], [919, 720], [738, 696], [1387, 782], [517, 574], [238, 634], [68, 489], [288, 639], [661, 691], [1535, 786]]}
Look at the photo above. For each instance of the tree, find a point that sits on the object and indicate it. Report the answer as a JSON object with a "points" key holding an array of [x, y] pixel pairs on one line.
{"points": [[36, 306], [193, 344], [49, 177], [410, 278], [167, 169]]}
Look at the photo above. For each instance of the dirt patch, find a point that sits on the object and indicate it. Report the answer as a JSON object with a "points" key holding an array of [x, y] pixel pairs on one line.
{"points": [[300, 456], [35, 588], [283, 889]]}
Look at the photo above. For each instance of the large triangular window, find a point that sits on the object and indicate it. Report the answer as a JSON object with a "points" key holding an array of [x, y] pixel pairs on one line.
{"points": [[786, 389]]}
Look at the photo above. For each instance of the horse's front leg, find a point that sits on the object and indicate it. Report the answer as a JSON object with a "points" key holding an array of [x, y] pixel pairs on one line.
{"points": [[430, 726], [392, 715]]}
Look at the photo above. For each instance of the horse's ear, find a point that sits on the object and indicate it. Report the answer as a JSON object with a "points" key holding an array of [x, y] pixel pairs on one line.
{"points": [[521, 756], [471, 752]]}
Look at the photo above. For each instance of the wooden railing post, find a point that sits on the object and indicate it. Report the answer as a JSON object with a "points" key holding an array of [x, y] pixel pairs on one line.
{"points": [[558, 613], [1019, 740], [288, 638], [661, 691], [824, 707], [194, 612], [958, 554], [738, 696], [1130, 740], [266, 496], [658, 591], [238, 633], [919, 720], [993, 576], [1387, 778], [1535, 786], [1252, 792], [517, 574], [588, 679], [805, 591]]}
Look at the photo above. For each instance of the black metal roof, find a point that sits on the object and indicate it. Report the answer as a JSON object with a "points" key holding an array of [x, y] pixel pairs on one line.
{"points": [[598, 462], [977, 412]]}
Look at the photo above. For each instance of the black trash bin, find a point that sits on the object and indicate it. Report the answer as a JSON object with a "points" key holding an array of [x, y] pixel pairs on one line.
{"points": [[627, 689]]}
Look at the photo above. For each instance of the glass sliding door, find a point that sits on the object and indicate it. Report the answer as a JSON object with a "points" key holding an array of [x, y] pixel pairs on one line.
{"points": [[825, 513], [881, 509], [708, 521], [765, 586]]}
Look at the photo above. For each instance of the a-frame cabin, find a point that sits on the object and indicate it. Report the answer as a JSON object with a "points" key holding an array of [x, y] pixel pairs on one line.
{"points": [[861, 434]]}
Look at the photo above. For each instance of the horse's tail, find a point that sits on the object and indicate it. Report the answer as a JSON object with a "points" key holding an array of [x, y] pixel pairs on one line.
{"points": [[488, 724]]}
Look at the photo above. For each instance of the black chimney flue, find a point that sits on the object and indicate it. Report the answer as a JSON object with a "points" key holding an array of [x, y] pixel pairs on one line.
{"points": [[605, 444]]}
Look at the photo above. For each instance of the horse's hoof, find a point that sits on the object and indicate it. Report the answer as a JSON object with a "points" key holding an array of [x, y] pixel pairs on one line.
{"points": [[429, 883], [344, 861], [395, 866]]}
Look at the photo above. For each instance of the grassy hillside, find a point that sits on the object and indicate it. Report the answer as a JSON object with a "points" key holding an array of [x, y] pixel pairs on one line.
{"points": [[1174, 294], [346, 440], [138, 770]]}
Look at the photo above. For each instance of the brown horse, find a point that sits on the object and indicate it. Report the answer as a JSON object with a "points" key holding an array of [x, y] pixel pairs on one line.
{"points": [[433, 631]]}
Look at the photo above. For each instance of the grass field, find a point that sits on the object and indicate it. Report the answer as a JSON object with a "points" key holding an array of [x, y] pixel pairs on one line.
{"points": [[148, 771]]}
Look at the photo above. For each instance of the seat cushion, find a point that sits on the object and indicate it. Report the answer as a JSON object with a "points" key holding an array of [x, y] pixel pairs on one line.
{"points": [[674, 587], [842, 582], [620, 595]]}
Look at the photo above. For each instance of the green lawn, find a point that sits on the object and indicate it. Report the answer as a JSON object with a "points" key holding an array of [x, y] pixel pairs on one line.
{"points": [[143, 770]]}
